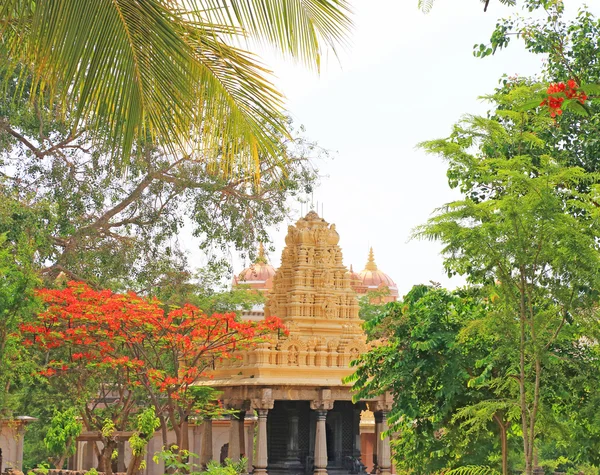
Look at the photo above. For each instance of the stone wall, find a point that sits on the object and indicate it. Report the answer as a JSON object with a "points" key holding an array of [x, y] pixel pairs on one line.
{"points": [[11, 442]]}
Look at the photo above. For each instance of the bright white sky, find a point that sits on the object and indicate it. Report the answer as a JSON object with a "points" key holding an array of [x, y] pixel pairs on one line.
{"points": [[407, 77]]}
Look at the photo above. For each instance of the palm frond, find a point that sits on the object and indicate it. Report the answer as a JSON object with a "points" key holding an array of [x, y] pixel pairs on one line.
{"points": [[160, 69], [301, 28], [473, 470], [425, 5]]}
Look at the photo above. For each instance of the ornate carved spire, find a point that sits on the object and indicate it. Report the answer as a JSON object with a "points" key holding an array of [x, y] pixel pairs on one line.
{"points": [[371, 262], [311, 289], [312, 294], [261, 259]]}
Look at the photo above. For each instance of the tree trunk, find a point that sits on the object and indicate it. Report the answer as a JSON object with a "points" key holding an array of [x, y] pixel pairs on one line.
{"points": [[185, 437], [134, 464], [502, 426], [109, 446], [523, 398]]}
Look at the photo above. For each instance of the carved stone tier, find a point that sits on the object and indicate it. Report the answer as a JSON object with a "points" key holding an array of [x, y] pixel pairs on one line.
{"points": [[312, 294]]}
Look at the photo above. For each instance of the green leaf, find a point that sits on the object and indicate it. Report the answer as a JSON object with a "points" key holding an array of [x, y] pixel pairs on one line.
{"points": [[573, 105]]}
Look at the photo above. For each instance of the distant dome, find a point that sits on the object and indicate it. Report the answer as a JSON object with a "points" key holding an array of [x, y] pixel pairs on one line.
{"points": [[375, 279], [356, 282], [259, 275]]}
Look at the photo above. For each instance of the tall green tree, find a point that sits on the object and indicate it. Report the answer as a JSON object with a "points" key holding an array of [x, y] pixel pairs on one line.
{"points": [[117, 228], [571, 49], [176, 71], [449, 409], [17, 304], [528, 228]]}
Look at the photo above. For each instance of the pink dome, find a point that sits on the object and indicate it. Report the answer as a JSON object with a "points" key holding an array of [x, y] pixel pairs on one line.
{"points": [[259, 275], [376, 279]]}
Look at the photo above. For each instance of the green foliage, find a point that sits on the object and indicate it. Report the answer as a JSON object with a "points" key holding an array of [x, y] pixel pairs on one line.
{"points": [[472, 470], [42, 469], [108, 428], [197, 91], [178, 461], [429, 365], [17, 305], [146, 425], [229, 468], [371, 304], [497, 361], [117, 228], [527, 230], [64, 428]]}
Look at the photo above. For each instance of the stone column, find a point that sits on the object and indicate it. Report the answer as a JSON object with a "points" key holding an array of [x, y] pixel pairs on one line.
{"points": [[261, 462], [242, 433], [321, 406], [121, 456], [154, 445], [236, 432], [356, 449], [377, 447], [385, 455], [88, 460], [250, 442], [292, 460], [206, 455], [262, 403], [321, 444], [197, 441]]}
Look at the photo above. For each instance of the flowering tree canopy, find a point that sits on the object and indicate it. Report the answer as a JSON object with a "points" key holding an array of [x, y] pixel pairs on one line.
{"points": [[130, 346]]}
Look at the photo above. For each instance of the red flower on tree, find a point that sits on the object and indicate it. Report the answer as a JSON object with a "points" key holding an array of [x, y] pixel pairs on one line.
{"points": [[164, 354], [558, 91]]}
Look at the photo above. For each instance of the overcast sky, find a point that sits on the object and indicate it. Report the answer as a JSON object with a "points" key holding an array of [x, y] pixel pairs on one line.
{"points": [[406, 77]]}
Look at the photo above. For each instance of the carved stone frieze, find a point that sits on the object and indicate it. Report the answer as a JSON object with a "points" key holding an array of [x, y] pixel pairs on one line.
{"points": [[311, 293]]}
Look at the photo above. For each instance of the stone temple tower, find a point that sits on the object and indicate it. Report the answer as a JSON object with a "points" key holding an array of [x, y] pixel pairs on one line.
{"points": [[311, 290], [307, 421], [312, 295]]}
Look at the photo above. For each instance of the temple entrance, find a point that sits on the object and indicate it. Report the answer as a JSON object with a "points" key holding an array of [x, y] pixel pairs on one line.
{"points": [[330, 444], [291, 431]]}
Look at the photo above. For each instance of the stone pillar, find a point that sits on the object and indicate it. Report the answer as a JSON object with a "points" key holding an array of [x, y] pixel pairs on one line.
{"points": [[381, 450], [321, 444], [261, 462], [120, 456], [356, 449], [196, 442], [385, 454], [234, 452], [377, 447], [293, 435], [242, 433], [262, 403], [88, 459], [321, 406], [72, 461], [154, 445], [250, 443], [206, 454]]}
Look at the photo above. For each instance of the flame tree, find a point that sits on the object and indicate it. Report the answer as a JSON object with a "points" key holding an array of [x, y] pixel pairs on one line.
{"points": [[112, 351]]}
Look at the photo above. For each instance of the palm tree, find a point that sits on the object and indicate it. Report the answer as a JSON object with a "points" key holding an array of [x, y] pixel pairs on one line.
{"points": [[176, 71]]}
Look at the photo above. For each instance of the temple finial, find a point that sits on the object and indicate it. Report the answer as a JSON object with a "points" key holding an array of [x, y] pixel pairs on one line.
{"points": [[371, 262], [261, 254]]}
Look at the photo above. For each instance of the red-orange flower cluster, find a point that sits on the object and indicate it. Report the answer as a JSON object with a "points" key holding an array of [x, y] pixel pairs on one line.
{"points": [[557, 92], [89, 331]]}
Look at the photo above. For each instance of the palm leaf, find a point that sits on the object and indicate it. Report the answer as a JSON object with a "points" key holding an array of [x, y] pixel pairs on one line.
{"points": [[301, 28], [473, 470], [164, 69]]}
